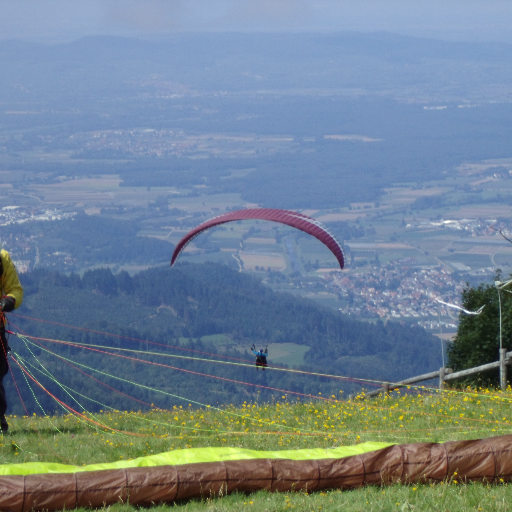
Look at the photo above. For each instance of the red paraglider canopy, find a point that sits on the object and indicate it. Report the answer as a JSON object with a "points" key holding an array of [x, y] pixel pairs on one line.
{"points": [[293, 219]]}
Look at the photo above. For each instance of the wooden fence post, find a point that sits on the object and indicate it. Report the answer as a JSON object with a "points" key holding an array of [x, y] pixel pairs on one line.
{"points": [[503, 369], [446, 375], [441, 378]]}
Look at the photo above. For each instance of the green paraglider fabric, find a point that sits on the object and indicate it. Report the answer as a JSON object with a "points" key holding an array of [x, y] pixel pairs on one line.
{"points": [[191, 456]]}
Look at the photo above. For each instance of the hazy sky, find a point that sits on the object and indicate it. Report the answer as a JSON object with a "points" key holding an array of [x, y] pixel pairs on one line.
{"points": [[63, 20]]}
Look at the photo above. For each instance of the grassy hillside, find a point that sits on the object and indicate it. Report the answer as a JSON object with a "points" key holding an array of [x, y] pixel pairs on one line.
{"points": [[166, 336], [326, 422], [198, 301]]}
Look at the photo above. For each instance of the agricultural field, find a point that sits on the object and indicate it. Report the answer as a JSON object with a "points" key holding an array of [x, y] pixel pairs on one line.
{"points": [[439, 226]]}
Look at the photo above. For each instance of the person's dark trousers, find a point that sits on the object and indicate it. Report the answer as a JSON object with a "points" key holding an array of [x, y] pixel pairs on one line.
{"points": [[4, 368]]}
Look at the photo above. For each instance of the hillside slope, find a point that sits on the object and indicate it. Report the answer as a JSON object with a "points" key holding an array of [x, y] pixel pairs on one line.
{"points": [[178, 307]]}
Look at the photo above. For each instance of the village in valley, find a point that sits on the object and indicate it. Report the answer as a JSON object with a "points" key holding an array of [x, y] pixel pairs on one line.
{"points": [[401, 261], [401, 291]]}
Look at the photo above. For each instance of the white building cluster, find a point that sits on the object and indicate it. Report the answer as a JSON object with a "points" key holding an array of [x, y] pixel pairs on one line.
{"points": [[20, 215], [400, 292]]}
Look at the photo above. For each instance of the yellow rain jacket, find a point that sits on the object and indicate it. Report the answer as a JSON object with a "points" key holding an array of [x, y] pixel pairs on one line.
{"points": [[10, 281]]}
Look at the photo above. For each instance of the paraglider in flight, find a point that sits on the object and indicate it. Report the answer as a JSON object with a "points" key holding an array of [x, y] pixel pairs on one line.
{"points": [[261, 357], [293, 219]]}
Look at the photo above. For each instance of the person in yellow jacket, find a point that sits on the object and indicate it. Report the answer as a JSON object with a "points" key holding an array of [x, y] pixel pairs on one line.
{"points": [[12, 296]]}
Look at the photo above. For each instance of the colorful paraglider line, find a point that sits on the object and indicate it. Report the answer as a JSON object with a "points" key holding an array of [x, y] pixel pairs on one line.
{"points": [[23, 365], [119, 336], [156, 390], [82, 417], [300, 433], [372, 406], [197, 373], [206, 375], [276, 368], [356, 380], [309, 396], [41, 438], [243, 362], [111, 388], [305, 432], [217, 432], [65, 406], [48, 375], [455, 306]]}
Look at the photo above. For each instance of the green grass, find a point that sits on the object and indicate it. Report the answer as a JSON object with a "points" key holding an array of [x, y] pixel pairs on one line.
{"points": [[471, 260], [291, 354], [328, 422], [218, 339], [503, 260], [397, 499]]}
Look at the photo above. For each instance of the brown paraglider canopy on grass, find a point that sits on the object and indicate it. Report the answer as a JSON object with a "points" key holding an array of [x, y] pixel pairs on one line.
{"points": [[483, 460]]}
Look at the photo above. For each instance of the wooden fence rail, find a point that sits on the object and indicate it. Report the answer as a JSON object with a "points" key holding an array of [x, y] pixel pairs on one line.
{"points": [[447, 374]]}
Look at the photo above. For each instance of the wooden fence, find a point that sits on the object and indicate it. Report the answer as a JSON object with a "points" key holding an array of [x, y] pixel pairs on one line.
{"points": [[447, 375]]}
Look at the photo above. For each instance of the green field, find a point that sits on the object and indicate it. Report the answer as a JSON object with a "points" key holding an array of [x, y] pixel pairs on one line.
{"points": [[471, 260], [398, 220], [290, 354], [326, 422]]}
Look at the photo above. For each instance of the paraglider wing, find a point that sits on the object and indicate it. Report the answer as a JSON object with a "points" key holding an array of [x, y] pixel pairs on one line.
{"points": [[199, 473], [293, 219]]}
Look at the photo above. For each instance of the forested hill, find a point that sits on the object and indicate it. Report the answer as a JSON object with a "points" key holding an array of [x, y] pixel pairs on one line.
{"points": [[192, 301]]}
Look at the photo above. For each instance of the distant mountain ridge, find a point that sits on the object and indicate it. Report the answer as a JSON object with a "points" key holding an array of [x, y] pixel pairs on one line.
{"points": [[285, 44], [241, 62]]}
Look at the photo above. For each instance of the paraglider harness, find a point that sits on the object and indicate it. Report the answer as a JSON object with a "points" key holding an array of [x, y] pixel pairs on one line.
{"points": [[4, 347], [261, 357]]}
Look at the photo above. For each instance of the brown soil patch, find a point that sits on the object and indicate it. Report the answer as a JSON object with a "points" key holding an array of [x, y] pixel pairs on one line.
{"points": [[333, 217], [264, 241], [485, 249], [409, 192], [251, 261], [86, 183], [370, 246], [486, 211], [469, 169]]}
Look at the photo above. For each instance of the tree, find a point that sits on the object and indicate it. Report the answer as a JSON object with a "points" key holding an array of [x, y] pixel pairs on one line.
{"points": [[478, 336]]}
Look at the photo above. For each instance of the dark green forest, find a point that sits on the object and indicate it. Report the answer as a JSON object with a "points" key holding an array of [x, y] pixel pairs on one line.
{"points": [[478, 336], [174, 309], [93, 240]]}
